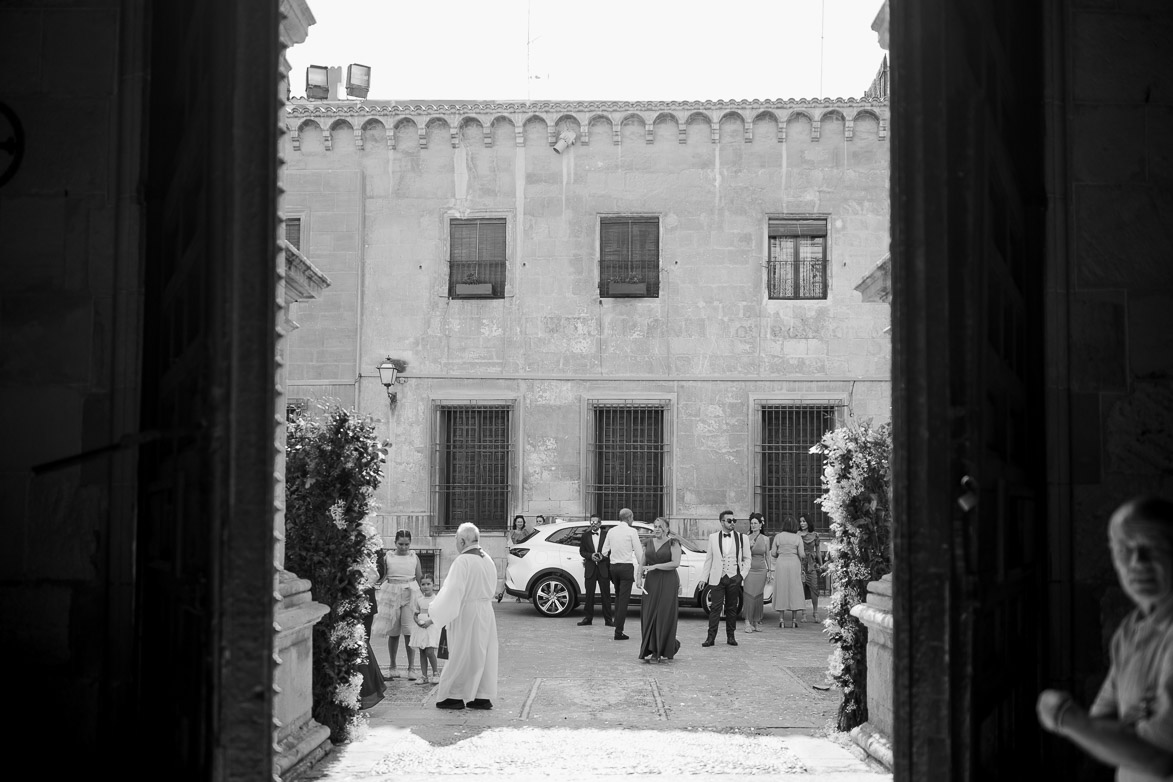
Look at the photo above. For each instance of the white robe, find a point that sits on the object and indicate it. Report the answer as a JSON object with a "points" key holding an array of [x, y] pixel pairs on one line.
{"points": [[464, 607]]}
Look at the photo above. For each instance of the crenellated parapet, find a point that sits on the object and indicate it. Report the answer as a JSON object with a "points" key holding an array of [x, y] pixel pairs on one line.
{"points": [[468, 123]]}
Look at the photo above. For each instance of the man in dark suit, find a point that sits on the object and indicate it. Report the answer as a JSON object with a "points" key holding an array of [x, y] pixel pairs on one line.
{"points": [[595, 569]]}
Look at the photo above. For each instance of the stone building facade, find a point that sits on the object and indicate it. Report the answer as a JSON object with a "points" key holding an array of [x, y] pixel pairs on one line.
{"points": [[647, 305]]}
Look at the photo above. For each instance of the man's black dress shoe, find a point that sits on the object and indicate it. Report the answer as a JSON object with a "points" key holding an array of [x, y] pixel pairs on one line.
{"points": [[708, 642], [480, 703], [732, 641], [450, 703], [609, 622], [585, 622], [621, 636]]}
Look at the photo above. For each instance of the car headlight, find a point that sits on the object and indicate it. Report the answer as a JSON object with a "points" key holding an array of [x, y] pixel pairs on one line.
{"points": [[519, 552]]}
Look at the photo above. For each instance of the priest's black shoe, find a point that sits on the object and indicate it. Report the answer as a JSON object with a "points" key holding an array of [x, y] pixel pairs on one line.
{"points": [[708, 642], [480, 703], [732, 641], [585, 622], [621, 636], [450, 703]]}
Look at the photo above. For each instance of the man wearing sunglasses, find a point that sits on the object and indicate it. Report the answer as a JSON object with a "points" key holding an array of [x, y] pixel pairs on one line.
{"points": [[726, 563]]}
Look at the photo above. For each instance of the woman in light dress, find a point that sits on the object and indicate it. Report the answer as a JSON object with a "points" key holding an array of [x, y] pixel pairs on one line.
{"points": [[398, 586], [761, 570], [788, 553]]}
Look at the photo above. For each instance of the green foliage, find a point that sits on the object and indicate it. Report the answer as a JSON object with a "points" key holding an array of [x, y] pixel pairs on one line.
{"points": [[857, 483], [333, 466]]}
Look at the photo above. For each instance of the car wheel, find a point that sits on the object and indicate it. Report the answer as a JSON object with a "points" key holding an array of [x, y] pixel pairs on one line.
{"points": [[705, 601], [553, 596]]}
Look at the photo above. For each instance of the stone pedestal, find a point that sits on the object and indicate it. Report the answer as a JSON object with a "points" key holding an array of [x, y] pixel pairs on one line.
{"points": [[300, 740], [875, 735]]}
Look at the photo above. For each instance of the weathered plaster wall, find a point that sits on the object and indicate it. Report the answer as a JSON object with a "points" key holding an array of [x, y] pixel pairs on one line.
{"points": [[710, 341], [1119, 292]]}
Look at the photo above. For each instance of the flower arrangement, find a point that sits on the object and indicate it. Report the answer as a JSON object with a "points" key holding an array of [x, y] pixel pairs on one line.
{"points": [[856, 482], [333, 466]]}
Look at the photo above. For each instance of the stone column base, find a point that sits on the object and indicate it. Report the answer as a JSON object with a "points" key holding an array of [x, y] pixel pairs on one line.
{"points": [[300, 741], [876, 744], [301, 750]]}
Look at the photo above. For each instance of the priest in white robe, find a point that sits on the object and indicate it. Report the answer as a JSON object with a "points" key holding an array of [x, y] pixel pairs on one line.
{"points": [[464, 607]]}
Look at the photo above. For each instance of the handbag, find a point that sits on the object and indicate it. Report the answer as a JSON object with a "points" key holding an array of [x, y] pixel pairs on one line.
{"points": [[442, 647], [768, 592]]}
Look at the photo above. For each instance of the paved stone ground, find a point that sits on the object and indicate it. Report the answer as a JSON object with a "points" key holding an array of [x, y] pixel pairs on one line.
{"points": [[566, 693]]}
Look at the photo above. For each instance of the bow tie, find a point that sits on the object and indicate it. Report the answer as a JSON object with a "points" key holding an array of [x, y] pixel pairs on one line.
{"points": [[727, 534]]}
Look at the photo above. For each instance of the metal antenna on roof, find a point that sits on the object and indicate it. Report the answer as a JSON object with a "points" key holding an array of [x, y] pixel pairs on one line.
{"points": [[822, 28], [529, 7]]}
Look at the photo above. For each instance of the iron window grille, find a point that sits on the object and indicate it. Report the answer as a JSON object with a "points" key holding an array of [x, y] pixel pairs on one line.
{"points": [[296, 407], [429, 563], [788, 477], [627, 458], [293, 233], [477, 262], [629, 257], [797, 267], [472, 464]]}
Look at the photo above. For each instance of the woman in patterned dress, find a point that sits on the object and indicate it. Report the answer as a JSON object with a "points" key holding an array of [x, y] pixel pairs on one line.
{"points": [[811, 564]]}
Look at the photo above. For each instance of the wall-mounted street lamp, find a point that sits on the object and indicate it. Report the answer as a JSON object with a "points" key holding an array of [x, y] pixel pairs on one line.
{"points": [[389, 375]]}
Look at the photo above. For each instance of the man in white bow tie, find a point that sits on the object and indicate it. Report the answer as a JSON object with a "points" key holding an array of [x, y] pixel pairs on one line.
{"points": [[726, 564]]}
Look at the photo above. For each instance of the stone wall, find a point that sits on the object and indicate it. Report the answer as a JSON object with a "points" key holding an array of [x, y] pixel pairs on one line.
{"points": [[376, 186]]}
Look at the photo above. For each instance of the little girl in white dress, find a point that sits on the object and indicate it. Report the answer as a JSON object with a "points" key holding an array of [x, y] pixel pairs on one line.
{"points": [[426, 635]]}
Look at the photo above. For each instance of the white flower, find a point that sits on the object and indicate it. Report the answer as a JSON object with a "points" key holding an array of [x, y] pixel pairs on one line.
{"points": [[337, 513]]}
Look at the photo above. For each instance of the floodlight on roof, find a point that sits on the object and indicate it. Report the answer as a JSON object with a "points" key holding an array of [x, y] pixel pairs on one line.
{"points": [[358, 80], [317, 82]]}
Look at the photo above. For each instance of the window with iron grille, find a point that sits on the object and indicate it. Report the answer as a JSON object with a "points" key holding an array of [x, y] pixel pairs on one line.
{"points": [[797, 267], [293, 232], [788, 477], [429, 563], [296, 407], [476, 256], [629, 257], [472, 461], [627, 455]]}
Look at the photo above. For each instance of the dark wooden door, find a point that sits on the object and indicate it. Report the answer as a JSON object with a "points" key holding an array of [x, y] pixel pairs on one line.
{"points": [[967, 264], [204, 543]]}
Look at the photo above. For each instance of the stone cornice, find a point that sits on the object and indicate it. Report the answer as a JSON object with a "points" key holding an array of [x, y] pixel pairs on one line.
{"points": [[303, 280], [302, 107], [560, 116], [876, 286]]}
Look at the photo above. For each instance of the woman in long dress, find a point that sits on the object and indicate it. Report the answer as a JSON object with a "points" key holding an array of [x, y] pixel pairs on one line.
{"points": [[373, 686], [760, 571], [396, 589], [788, 553], [658, 608], [811, 566]]}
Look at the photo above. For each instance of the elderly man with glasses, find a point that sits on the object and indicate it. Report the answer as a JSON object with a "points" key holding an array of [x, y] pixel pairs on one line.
{"points": [[727, 562]]}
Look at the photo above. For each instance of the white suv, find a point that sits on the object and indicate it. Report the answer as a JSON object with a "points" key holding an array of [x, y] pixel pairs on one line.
{"points": [[546, 568]]}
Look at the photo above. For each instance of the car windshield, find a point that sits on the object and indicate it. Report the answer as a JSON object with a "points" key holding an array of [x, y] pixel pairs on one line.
{"points": [[645, 533]]}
